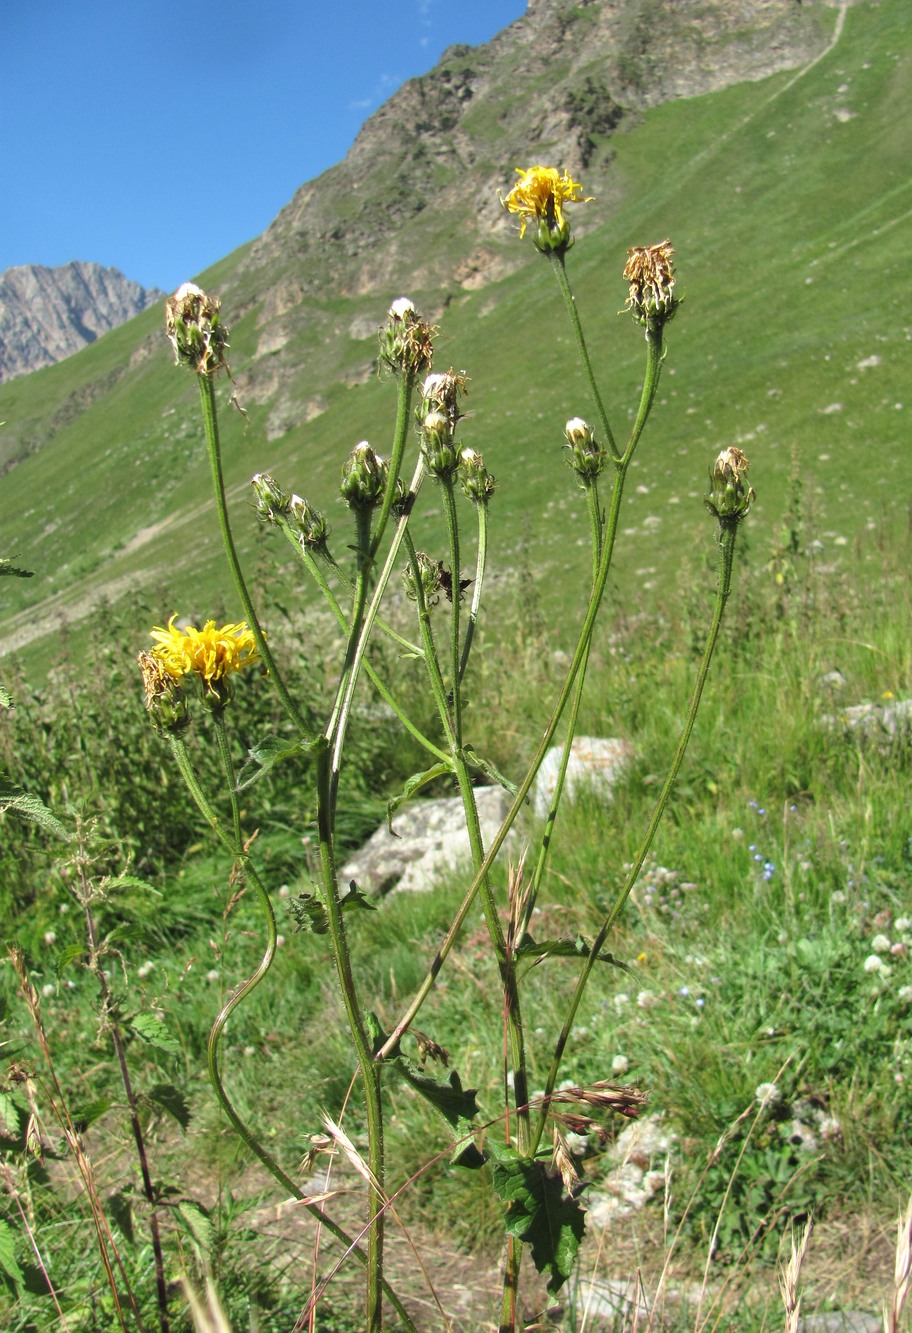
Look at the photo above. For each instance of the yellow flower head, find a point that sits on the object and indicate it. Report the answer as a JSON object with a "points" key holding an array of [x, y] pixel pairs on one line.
{"points": [[209, 653], [540, 195]]}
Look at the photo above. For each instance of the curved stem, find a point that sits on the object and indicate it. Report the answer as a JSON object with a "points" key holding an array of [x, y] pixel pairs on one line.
{"points": [[241, 1128], [727, 537], [213, 449]]}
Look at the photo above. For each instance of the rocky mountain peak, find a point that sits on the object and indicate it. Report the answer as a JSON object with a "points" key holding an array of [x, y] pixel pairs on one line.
{"points": [[47, 314]]}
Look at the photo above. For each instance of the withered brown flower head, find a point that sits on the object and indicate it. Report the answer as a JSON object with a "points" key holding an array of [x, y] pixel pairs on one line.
{"points": [[650, 273]]}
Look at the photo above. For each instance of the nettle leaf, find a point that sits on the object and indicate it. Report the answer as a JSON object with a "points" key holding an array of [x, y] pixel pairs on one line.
{"points": [[455, 1103], [579, 947], [31, 807], [200, 1229], [538, 1212], [89, 1112], [413, 785], [10, 1123], [130, 882], [120, 1209], [153, 1031], [67, 956], [169, 1098], [8, 1263]]}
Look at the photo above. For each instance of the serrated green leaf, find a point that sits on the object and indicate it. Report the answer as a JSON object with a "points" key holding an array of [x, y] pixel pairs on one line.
{"points": [[196, 1221], [152, 1030], [68, 955], [172, 1100], [261, 758], [8, 1262], [455, 1103], [31, 807], [565, 948], [539, 1213], [413, 785], [89, 1112], [131, 882], [10, 1121], [120, 1210]]}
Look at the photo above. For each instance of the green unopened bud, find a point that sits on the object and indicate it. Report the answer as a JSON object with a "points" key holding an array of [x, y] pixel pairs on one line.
{"points": [[730, 497], [272, 503], [406, 341], [438, 446], [166, 702], [310, 523], [477, 482], [651, 297], [363, 477], [194, 326], [426, 586], [587, 457]]}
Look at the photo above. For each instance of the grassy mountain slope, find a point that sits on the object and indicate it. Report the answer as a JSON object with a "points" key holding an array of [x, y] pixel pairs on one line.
{"points": [[789, 202]]}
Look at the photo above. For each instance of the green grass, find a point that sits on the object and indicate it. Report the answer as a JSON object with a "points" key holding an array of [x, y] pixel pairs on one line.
{"points": [[787, 850]]}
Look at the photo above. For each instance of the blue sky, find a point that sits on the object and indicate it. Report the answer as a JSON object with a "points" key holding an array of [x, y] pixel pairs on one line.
{"points": [[156, 136]]}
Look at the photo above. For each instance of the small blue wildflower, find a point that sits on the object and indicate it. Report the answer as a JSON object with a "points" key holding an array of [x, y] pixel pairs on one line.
{"points": [[700, 1002], [683, 990], [768, 869]]}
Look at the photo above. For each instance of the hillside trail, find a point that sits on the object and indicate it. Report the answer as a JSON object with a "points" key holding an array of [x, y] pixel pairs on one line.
{"points": [[799, 74]]}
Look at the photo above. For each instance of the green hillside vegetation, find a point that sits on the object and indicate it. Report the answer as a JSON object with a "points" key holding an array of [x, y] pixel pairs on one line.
{"points": [[788, 202], [758, 991]]}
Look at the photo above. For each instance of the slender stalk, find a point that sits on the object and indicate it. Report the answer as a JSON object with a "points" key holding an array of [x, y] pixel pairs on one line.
{"points": [[243, 1130], [480, 563], [559, 270], [452, 523], [728, 533], [113, 1026], [213, 450], [595, 523], [580, 656]]}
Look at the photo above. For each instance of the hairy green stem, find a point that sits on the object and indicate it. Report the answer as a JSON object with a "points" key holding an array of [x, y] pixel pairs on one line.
{"points": [[728, 533], [559, 270], [241, 1128], [480, 563], [213, 449]]}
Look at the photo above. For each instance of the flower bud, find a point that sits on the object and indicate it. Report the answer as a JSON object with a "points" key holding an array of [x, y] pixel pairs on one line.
{"points": [[312, 526], [650, 272], [587, 457], [272, 503], [406, 341], [438, 446], [477, 482], [166, 702], [730, 498], [194, 326], [363, 477], [426, 587]]}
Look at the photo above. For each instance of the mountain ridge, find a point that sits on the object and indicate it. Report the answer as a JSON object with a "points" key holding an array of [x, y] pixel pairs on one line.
{"points": [[47, 314]]}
